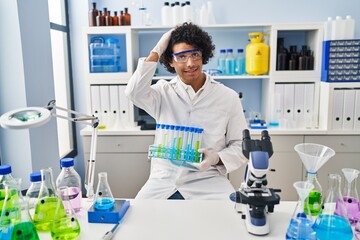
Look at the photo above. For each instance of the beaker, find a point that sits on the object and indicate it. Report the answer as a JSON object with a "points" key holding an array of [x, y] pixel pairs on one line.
{"points": [[65, 224], [20, 226], [313, 157], [104, 199], [300, 226], [46, 203], [350, 194], [332, 222]]}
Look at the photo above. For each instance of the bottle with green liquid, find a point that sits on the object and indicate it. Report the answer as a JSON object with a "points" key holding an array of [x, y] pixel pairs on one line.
{"points": [[15, 222], [65, 224], [315, 196], [47, 202], [5, 176]]}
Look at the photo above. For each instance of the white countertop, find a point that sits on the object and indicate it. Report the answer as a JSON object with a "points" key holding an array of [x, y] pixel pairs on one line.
{"points": [[180, 220]]}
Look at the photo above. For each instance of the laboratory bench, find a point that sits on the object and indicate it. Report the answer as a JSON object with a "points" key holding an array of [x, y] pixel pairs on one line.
{"points": [[179, 220], [124, 155]]}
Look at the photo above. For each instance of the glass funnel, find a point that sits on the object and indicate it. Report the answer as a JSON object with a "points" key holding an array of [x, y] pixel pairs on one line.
{"points": [[15, 222], [313, 157], [47, 202], [332, 222], [104, 199], [350, 194], [65, 224], [300, 226]]}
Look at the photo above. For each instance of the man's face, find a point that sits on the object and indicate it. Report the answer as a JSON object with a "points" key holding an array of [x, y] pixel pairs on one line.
{"points": [[189, 71]]}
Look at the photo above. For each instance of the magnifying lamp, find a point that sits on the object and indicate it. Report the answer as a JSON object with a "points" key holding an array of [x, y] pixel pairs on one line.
{"points": [[31, 117]]}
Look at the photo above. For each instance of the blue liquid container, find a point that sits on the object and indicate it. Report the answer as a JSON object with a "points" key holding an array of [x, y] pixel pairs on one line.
{"points": [[104, 55], [221, 61], [329, 226], [104, 204], [300, 228], [229, 62], [240, 63]]}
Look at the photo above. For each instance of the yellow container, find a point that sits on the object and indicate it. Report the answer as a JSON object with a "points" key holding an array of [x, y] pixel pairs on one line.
{"points": [[257, 54]]}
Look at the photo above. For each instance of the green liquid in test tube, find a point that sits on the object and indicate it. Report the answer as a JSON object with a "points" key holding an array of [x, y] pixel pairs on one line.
{"points": [[198, 143], [179, 141]]}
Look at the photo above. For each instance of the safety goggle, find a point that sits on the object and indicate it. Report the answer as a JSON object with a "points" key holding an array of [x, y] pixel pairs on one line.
{"points": [[183, 56]]}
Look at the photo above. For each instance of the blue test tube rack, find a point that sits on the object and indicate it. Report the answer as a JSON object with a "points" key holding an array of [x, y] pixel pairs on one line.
{"points": [[180, 143]]}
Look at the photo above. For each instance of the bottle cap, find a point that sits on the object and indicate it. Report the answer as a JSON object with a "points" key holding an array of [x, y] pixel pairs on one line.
{"points": [[229, 50], [222, 50], [35, 177], [166, 3], [67, 162], [5, 169], [240, 50]]}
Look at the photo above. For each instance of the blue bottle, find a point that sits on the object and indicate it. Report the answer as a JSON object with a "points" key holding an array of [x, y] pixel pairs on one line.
{"points": [[240, 62], [229, 62], [221, 61]]}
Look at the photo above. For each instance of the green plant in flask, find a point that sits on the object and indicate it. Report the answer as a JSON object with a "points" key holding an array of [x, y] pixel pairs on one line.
{"points": [[45, 207]]}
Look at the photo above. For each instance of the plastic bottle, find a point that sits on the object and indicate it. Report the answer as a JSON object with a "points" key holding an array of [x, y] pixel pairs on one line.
{"points": [[166, 14], [229, 62], [240, 62], [187, 12], [349, 28], [338, 28], [142, 11], [32, 193], [203, 16], [257, 54], [177, 13], [92, 15], [69, 178], [327, 29], [210, 13], [221, 61], [5, 176]]}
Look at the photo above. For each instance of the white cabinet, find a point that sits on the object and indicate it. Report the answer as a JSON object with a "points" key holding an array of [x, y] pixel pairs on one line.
{"points": [[124, 158]]}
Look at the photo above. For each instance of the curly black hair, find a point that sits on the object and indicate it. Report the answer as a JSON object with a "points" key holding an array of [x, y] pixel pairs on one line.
{"points": [[191, 34]]}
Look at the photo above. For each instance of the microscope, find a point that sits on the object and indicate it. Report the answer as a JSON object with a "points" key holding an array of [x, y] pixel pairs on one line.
{"points": [[254, 198]]}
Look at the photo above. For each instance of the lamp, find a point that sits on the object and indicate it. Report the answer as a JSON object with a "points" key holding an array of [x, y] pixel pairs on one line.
{"points": [[30, 117]]}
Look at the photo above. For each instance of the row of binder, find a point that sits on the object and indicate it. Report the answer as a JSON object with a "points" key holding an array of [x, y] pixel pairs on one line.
{"points": [[111, 106], [294, 105], [346, 109]]}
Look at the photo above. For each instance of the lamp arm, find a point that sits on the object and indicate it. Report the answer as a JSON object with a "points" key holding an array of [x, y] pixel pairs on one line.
{"points": [[94, 123]]}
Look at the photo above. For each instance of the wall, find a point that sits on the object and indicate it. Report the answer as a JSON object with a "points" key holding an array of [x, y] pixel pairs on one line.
{"points": [[26, 79]]}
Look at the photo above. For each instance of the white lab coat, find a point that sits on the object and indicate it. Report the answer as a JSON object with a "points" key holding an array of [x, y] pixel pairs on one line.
{"points": [[217, 110]]}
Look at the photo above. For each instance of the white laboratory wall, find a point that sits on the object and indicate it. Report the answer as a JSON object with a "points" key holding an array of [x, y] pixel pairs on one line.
{"points": [[26, 79]]}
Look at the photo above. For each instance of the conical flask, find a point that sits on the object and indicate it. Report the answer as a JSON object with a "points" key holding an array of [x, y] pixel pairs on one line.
{"points": [[350, 194], [47, 201], [300, 226], [331, 224], [313, 157], [104, 199], [20, 227], [65, 224]]}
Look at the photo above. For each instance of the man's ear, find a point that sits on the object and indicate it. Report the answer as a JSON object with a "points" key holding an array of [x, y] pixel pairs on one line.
{"points": [[171, 64]]}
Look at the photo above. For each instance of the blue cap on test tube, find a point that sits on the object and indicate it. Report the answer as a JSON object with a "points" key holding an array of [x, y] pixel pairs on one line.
{"points": [[162, 126], [177, 128], [172, 127], [158, 125]]}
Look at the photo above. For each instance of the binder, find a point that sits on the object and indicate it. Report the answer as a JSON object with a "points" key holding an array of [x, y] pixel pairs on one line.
{"points": [[279, 103], [338, 103], [289, 90], [105, 105], [114, 106], [357, 110], [124, 107], [309, 96], [349, 108], [299, 101], [95, 101]]}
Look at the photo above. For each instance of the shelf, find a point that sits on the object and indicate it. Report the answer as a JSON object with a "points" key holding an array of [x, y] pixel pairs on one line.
{"points": [[235, 77]]}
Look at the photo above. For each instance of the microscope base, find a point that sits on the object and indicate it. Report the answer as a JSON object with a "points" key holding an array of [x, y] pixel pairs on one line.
{"points": [[254, 226]]}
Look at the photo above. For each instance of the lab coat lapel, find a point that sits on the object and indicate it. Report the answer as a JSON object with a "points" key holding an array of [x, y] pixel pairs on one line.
{"points": [[180, 91], [209, 88]]}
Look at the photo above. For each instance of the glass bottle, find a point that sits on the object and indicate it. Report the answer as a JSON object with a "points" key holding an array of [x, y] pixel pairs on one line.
{"points": [[229, 62], [122, 18], [300, 226], [104, 199], [115, 19], [127, 17], [221, 61], [47, 202], [315, 195], [65, 224], [5, 176], [69, 178], [240, 62], [92, 15], [20, 226], [15, 219], [282, 60], [100, 19], [108, 19], [33, 191], [350, 194], [332, 222]]}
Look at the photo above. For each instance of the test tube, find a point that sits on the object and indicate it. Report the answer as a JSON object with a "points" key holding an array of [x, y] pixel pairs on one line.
{"points": [[169, 142], [197, 142], [189, 149], [180, 141], [165, 140], [157, 139], [175, 142]]}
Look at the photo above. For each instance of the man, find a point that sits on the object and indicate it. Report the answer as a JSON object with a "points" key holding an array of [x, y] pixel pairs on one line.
{"points": [[192, 98]]}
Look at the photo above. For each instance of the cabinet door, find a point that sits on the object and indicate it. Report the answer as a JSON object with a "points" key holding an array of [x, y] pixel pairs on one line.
{"points": [[347, 155], [285, 161], [127, 172]]}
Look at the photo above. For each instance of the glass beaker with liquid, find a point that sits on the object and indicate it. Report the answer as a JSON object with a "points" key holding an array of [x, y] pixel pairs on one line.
{"points": [[314, 156], [16, 223], [332, 221], [65, 224], [350, 194], [104, 199], [300, 226], [47, 202]]}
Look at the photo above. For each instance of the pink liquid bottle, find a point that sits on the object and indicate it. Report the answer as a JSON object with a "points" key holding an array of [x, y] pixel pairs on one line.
{"points": [[69, 178]]}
